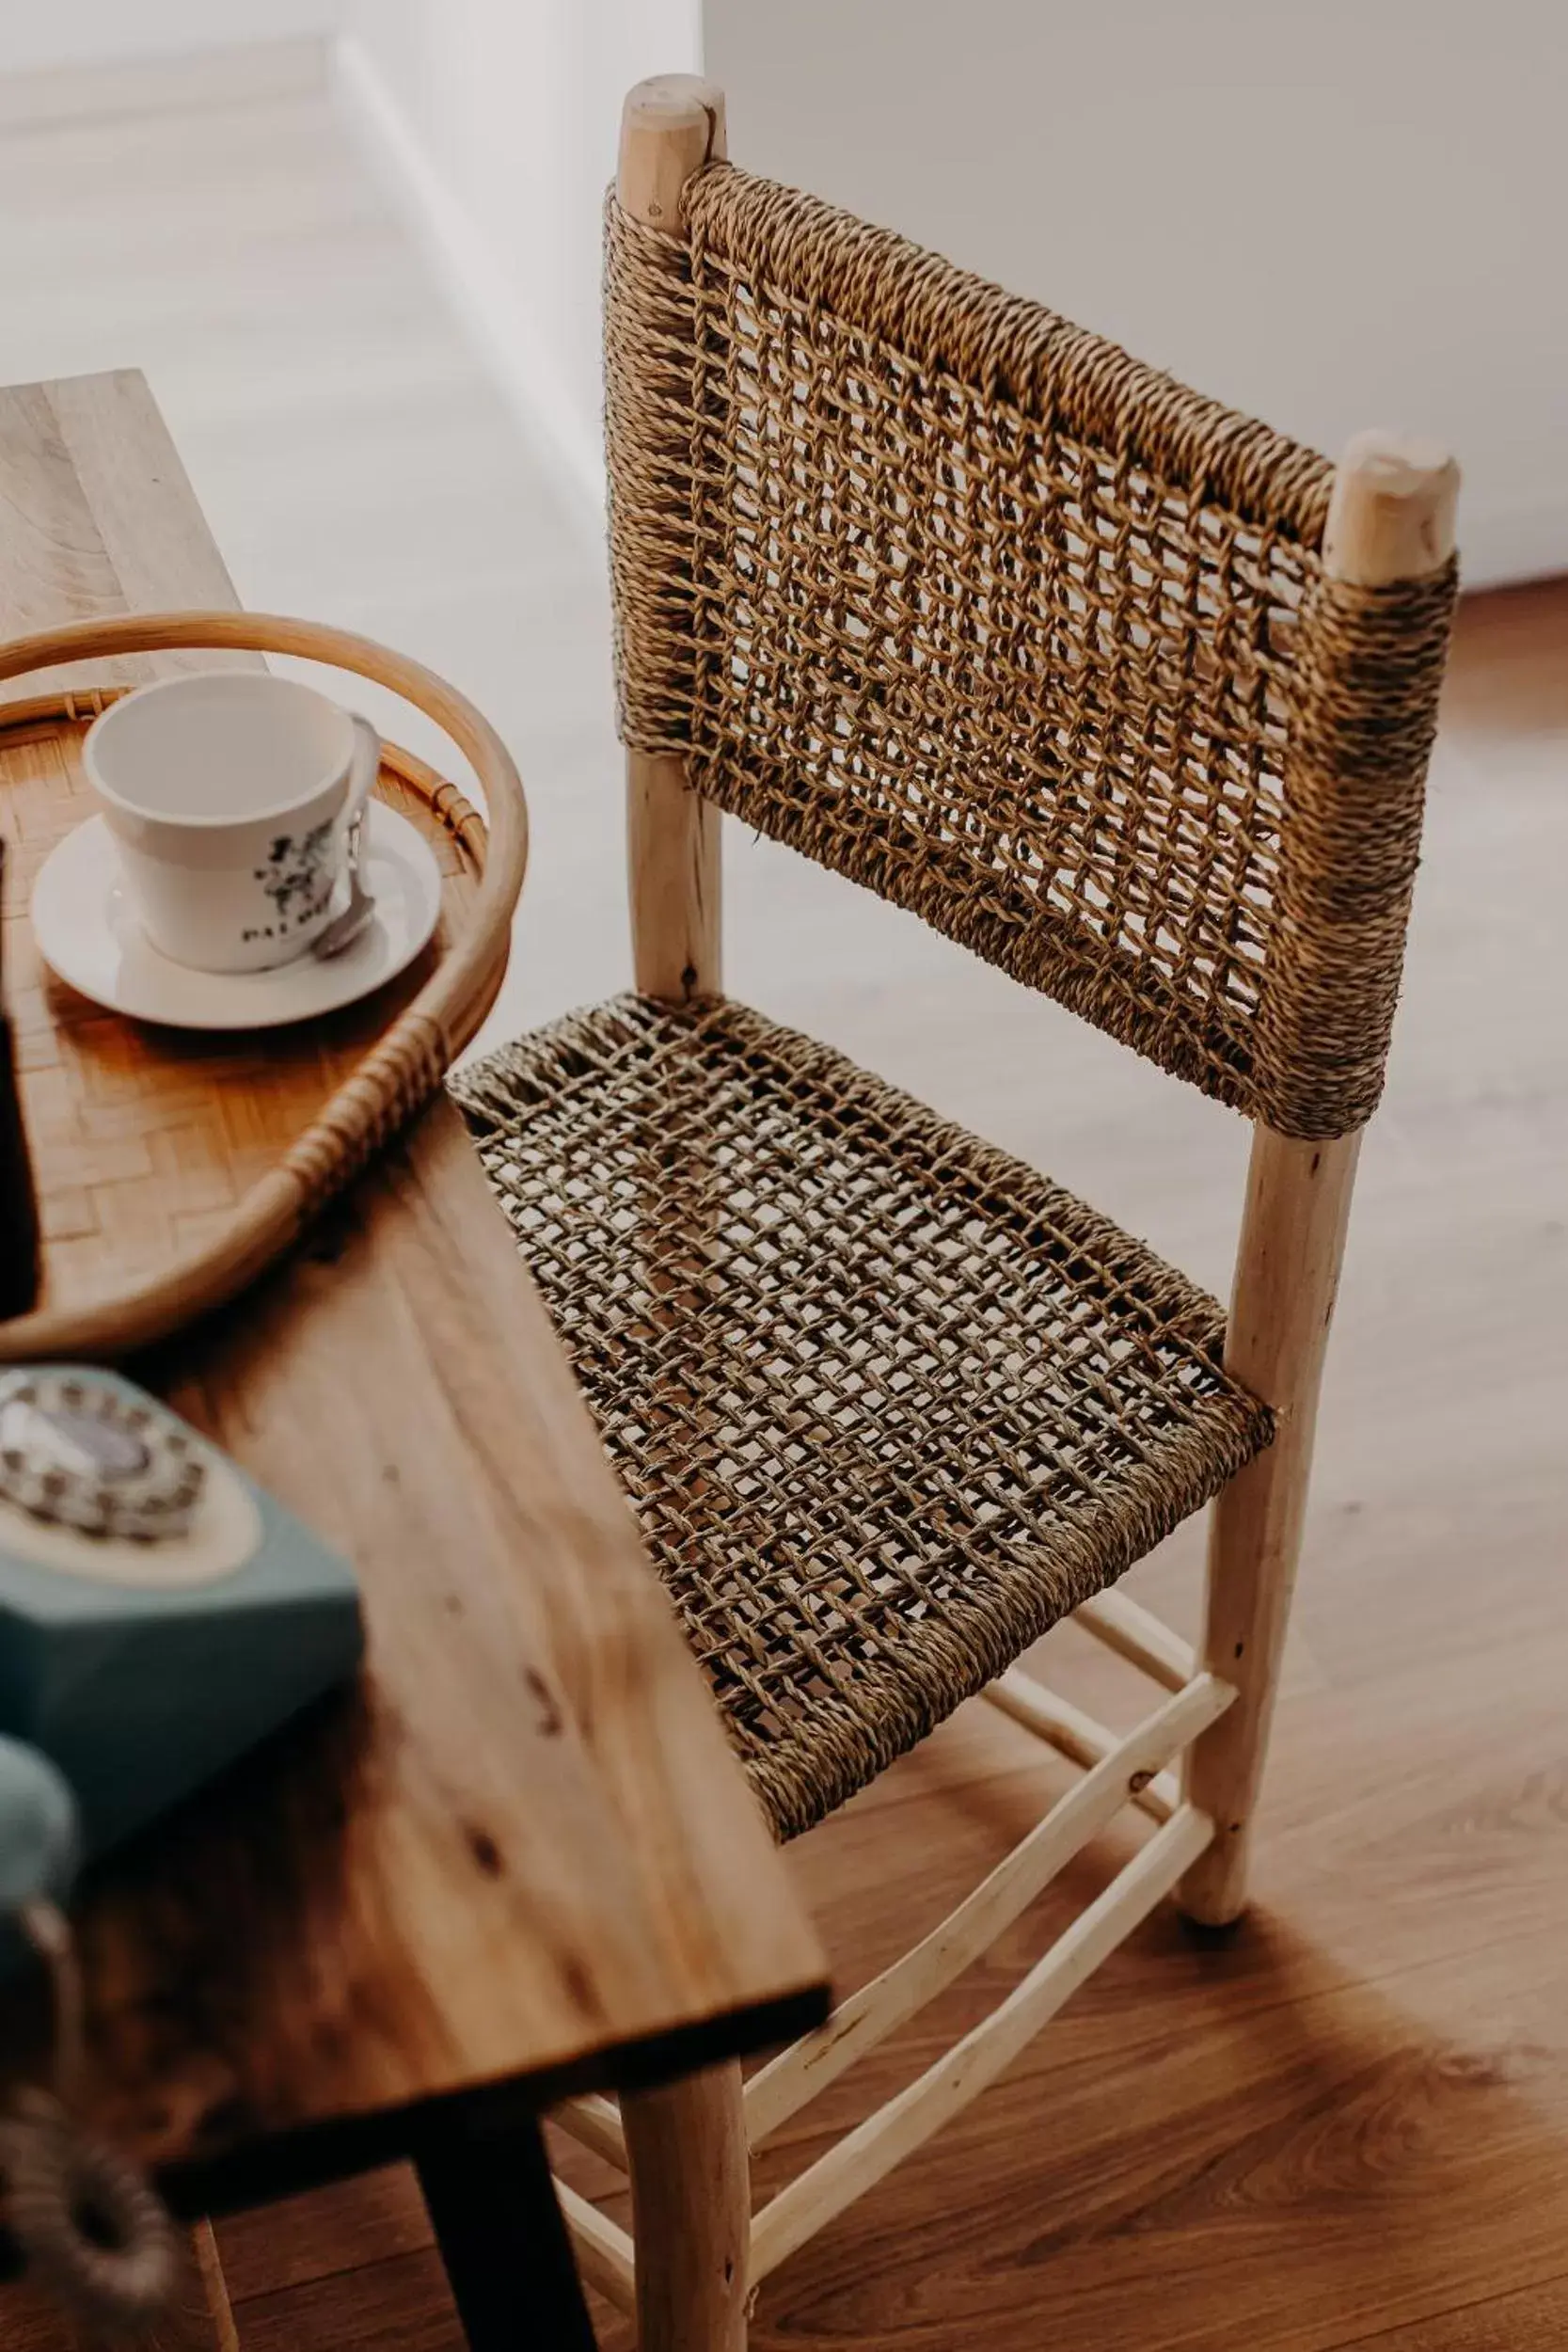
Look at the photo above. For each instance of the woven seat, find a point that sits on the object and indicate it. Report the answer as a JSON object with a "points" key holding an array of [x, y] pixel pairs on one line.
{"points": [[888, 1402]]}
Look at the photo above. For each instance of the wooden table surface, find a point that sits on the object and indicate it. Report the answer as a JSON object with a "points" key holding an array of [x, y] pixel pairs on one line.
{"points": [[519, 1859]]}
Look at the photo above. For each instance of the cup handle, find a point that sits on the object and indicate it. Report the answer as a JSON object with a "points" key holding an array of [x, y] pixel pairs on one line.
{"points": [[364, 768]]}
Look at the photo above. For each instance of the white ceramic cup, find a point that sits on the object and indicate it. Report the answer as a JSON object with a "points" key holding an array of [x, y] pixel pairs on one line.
{"points": [[230, 794]]}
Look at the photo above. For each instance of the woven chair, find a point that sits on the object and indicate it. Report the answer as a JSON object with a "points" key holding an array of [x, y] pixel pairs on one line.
{"points": [[1134, 697]]}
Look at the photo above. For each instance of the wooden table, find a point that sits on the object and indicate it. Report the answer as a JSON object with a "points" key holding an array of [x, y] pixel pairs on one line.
{"points": [[519, 1861]]}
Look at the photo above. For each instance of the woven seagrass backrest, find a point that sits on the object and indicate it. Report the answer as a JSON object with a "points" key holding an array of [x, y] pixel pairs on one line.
{"points": [[1030, 638]]}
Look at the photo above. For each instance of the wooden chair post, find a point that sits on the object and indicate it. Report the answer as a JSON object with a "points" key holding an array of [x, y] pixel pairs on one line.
{"points": [[686, 2143], [1391, 518], [671, 126], [691, 2212]]}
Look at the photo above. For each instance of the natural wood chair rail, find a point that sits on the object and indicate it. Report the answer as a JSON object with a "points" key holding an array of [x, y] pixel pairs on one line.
{"points": [[1121, 1773], [946, 2088], [868, 2016], [1136, 1634], [1072, 1733]]}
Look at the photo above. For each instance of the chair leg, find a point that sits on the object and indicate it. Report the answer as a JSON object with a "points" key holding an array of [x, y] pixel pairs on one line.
{"points": [[1286, 1270], [1251, 1576], [1390, 519], [691, 2212]]}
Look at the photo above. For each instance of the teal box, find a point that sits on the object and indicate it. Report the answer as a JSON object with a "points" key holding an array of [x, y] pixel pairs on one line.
{"points": [[157, 1621]]}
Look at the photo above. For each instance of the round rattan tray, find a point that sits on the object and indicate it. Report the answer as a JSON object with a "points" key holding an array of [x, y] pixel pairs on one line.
{"points": [[173, 1167]]}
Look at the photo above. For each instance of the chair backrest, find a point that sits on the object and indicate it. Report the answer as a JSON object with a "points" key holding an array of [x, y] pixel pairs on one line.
{"points": [[1024, 635]]}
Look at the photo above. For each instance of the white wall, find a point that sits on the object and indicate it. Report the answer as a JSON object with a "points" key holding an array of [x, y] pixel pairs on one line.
{"points": [[497, 121], [35, 34], [1332, 212]]}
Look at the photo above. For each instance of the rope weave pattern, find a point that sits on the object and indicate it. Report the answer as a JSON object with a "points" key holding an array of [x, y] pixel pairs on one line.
{"points": [[1024, 635], [887, 1402], [395, 1079]]}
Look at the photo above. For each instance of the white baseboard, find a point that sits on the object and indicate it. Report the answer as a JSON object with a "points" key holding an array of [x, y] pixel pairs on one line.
{"points": [[471, 276]]}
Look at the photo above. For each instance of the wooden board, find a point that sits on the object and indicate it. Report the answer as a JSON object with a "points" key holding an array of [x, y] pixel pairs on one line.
{"points": [[100, 518], [145, 1139], [518, 1857]]}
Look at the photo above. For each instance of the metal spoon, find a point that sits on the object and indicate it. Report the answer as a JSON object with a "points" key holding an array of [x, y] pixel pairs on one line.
{"points": [[344, 928]]}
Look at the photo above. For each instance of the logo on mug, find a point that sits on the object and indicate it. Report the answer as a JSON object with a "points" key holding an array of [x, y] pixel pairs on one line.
{"points": [[299, 878]]}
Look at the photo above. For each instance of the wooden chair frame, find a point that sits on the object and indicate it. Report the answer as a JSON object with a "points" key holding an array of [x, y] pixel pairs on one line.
{"points": [[698, 2255]]}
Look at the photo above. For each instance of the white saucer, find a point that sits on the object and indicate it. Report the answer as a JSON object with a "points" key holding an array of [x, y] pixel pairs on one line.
{"points": [[87, 934]]}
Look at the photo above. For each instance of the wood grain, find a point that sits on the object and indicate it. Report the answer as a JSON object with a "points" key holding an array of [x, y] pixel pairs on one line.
{"points": [[401, 2305], [1286, 2181], [1535, 2320], [692, 2215], [100, 518], [519, 1855]]}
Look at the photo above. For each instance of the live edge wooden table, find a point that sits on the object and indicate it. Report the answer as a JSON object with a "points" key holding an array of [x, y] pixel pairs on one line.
{"points": [[518, 1861]]}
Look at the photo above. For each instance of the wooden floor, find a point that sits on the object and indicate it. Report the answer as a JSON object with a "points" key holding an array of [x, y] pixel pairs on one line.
{"points": [[1347, 2125]]}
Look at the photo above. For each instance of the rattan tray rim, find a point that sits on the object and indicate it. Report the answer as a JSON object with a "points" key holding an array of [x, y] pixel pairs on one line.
{"points": [[405, 1065]]}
